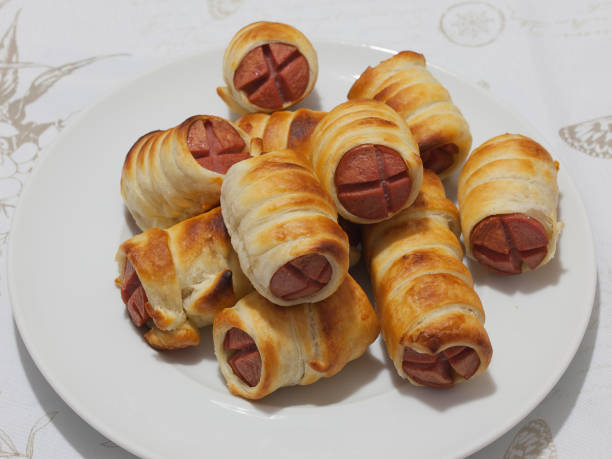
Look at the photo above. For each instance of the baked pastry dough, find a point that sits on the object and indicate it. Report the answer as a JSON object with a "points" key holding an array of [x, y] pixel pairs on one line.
{"points": [[284, 129], [289, 346], [283, 227], [508, 197], [172, 175], [367, 160], [267, 66], [180, 278], [431, 318], [404, 83]]}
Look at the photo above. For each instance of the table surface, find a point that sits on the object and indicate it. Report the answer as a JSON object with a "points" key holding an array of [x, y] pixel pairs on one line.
{"points": [[549, 60]]}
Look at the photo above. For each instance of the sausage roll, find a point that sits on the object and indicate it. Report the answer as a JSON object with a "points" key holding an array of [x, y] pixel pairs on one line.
{"points": [[261, 347], [178, 279], [172, 175], [404, 83], [285, 129], [283, 227], [431, 318], [367, 160], [280, 130], [508, 198], [267, 66]]}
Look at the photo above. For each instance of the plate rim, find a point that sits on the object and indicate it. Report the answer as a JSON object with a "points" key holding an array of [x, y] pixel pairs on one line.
{"points": [[92, 419]]}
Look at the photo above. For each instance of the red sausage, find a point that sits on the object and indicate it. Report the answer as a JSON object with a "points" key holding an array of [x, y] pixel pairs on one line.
{"points": [[222, 163], [136, 307], [372, 181], [436, 374], [130, 281], [236, 339], [247, 365], [453, 351], [465, 363], [498, 262], [437, 370], [133, 295], [246, 361], [253, 69], [504, 242], [215, 144], [301, 277], [440, 158], [272, 75]]}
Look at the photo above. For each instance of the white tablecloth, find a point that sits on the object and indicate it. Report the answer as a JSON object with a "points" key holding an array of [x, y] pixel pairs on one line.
{"points": [[550, 60]]}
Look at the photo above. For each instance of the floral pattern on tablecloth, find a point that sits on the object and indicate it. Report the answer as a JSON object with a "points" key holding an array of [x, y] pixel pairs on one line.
{"points": [[532, 441], [472, 24], [8, 447], [22, 137], [22, 84], [220, 9], [593, 137]]}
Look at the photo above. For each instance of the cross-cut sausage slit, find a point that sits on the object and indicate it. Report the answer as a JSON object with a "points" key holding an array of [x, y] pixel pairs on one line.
{"points": [[272, 75], [301, 277], [438, 370], [503, 243], [439, 159], [133, 295], [372, 181], [244, 357], [215, 144]]}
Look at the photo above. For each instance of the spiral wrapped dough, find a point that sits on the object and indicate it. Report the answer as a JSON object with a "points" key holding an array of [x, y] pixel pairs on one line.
{"points": [[283, 227], [404, 83], [367, 160], [284, 129], [261, 347], [508, 196], [178, 279], [267, 66], [172, 175], [432, 320]]}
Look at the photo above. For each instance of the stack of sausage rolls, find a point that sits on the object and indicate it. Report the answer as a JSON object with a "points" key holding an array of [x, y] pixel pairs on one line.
{"points": [[252, 225]]}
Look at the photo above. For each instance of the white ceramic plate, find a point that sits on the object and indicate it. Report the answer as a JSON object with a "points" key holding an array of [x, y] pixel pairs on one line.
{"points": [[71, 220]]}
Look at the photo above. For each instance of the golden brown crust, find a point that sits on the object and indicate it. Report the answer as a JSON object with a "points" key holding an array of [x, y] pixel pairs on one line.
{"points": [[404, 83], [301, 344], [284, 129], [382, 70], [456, 328], [186, 335], [219, 296], [249, 38], [355, 123], [163, 184], [420, 262], [423, 293], [276, 211], [343, 331], [149, 254], [187, 271], [272, 329], [510, 174]]}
